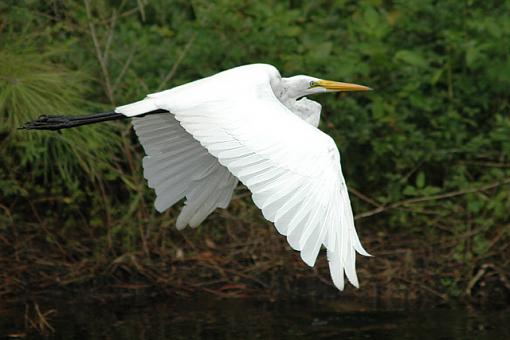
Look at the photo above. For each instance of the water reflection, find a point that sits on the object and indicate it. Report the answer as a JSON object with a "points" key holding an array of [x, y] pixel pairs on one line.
{"points": [[207, 318]]}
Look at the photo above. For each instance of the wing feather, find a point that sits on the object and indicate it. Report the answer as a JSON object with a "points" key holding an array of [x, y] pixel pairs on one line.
{"points": [[292, 168], [205, 194], [178, 167]]}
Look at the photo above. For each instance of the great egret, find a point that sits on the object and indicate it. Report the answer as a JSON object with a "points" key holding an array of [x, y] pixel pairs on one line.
{"points": [[251, 125]]}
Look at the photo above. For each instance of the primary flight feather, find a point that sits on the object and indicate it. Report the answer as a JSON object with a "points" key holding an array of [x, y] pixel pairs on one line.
{"points": [[246, 124]]}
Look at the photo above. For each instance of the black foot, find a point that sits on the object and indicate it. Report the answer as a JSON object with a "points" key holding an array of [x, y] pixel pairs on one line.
{"points": [[46, 122]]}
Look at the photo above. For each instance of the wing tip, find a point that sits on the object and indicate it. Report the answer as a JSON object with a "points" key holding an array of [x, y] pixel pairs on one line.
{"points": [[360, 250], [160, 208], [340, 270], [310, 261], [180, 224]]}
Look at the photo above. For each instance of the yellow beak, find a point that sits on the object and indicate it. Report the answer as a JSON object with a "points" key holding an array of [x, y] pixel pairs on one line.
{"points": [[337, 86]]}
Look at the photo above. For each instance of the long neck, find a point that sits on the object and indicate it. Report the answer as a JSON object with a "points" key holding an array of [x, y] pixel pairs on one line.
{"points": [[304, 108], [283, 91], [287, 92]]}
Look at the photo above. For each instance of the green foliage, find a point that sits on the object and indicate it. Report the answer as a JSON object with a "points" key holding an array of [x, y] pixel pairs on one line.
{"points": [[438, 121], [31, 84]]}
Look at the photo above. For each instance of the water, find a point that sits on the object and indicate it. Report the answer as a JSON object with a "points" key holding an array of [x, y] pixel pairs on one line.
{"points": [[209, 318]]}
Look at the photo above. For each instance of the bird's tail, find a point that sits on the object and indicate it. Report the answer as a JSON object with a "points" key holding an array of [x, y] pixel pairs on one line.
{"points": [[46, 122]]}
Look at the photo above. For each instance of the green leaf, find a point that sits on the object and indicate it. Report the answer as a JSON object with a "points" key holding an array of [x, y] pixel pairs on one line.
{"points": [[420, 180], [409, 191], [411, 58]]}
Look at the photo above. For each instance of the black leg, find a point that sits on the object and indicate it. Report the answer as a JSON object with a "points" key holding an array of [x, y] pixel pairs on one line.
{"points": [[46, 122]]}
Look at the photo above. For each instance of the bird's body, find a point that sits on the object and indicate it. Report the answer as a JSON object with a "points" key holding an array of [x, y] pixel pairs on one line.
{"points": [[252, 125]]}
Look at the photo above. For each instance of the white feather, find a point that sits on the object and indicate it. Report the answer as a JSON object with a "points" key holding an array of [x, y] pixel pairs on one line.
{"points": [[232, 125], [177, 166], [137, 108]]}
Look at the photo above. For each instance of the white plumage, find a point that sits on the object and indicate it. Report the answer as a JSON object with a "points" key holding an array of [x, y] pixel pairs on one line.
{"points": [[249, 124], [177, 165]]}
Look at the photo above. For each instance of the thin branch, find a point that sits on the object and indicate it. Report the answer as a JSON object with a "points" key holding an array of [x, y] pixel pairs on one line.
{"points": [[109, 39], [177, 62], [432, 198], [487, 164], [425, 287], [99, 55], [141, 8], [363, 197], [127, 13], [123, 71]]}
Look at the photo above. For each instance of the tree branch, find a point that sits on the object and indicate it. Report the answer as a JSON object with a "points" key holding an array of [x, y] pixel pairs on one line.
{"points": [[431, 198], [177, 62], [101, 57]]}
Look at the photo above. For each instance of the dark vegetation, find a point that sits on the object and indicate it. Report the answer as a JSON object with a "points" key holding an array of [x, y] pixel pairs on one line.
{"points": [[426, 155]]}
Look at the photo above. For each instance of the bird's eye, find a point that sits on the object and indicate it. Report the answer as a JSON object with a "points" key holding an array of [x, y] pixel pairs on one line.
{"points": [[312, 84]]}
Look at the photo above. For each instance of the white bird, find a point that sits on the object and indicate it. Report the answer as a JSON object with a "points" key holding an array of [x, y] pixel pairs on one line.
{"points": [[251, 125]]}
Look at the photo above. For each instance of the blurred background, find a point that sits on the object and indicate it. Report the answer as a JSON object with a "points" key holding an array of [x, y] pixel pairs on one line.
{"points": [[426, 155]]}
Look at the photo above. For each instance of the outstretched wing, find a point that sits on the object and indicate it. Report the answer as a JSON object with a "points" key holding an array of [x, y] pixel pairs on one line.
{"points": [[292, 169], [177, 166]]}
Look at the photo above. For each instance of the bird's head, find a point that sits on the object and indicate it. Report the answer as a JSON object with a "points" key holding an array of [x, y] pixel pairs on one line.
{"points": [[300, 86]]}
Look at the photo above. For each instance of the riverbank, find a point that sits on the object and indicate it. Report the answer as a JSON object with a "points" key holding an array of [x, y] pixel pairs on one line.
{"points": [[231, 258], [425, 155]]}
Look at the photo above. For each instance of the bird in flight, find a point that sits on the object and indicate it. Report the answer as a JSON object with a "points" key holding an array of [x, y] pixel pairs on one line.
{"points": [[252, 125]]}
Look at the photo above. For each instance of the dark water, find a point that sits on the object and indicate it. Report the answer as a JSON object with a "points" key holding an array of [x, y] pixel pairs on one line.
{"points": [[207, 318]]}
